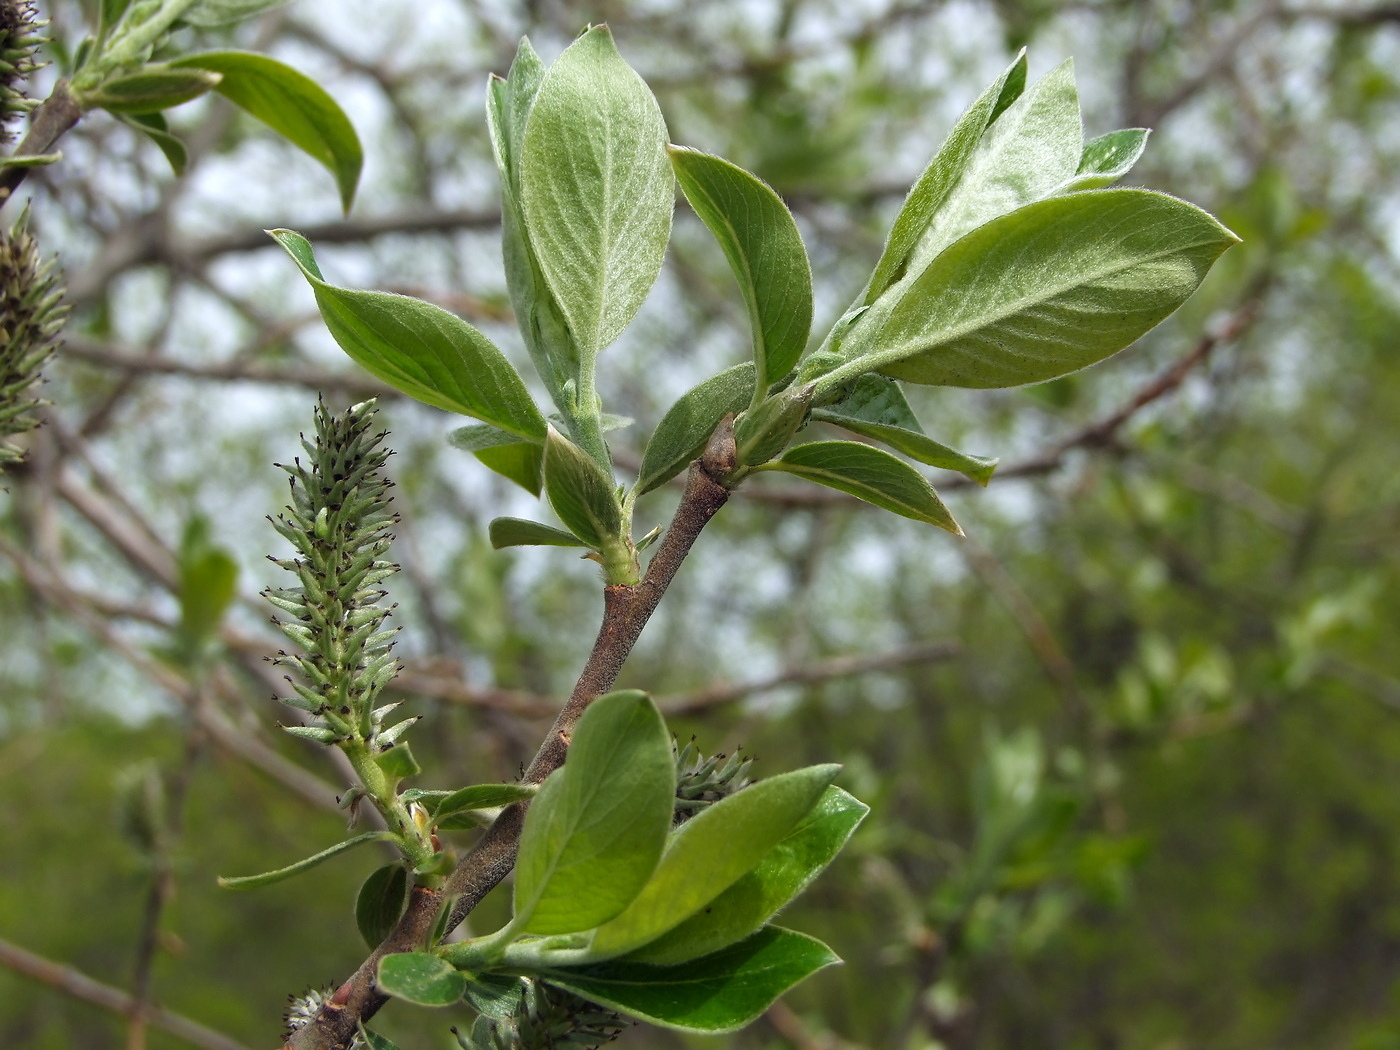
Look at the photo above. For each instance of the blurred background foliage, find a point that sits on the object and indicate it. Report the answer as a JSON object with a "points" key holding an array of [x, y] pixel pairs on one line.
{"points": [[1132, 748]]}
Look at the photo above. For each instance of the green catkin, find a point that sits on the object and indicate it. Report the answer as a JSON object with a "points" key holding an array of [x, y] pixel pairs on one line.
{"points": [[701, 781], [340, 523], [32, 313], [20, 38]]}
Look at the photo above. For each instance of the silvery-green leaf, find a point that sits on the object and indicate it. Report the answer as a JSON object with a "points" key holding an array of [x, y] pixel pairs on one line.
{"points": [[596, 189], [518, 532], [222, 12], [1107, 159], [765, 251], [1047, 290], [1032, 148], [942, 175]]}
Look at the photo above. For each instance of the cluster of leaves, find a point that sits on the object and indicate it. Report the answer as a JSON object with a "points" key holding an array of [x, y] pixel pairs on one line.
{"points": [[1009, 263], [130, 68], [617, 905], [31, 316]]}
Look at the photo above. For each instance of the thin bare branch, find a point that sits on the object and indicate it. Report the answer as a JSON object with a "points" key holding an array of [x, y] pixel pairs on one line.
{"points": [[79, 985]]}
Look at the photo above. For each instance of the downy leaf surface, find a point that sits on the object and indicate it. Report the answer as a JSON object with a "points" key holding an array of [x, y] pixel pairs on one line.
{"points": [[1049, 289], [421, 349], [942, 176], [718, 993], [710, 852], [870, 474], [594, 832], [1107, 159], [596, 189], [764, 249]]}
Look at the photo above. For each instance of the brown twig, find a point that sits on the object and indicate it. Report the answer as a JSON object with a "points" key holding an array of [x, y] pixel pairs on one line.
{"points": [[626, 610], [79, 985], [52, 120]]}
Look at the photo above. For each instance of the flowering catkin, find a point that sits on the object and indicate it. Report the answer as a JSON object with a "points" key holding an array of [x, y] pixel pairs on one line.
{"points": [[340, 523], [19, 40], [31, 315]]}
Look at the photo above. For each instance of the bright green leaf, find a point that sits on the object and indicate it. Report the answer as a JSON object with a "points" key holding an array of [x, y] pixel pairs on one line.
{"points": [[522, 463], [421, 349], [681, 435], [291, 104], [208, 582], [381, 901], [375, 1041], [593, 834], [420, 978], [397, 762], [869, 474], [581, 492], [1107, 159], [784, 872], [876, 409], [764, 249], [1048, 290], [518, 532], [484, 796], [479, 437], [710, 852], [267, 878], [942, 175], [596, 189], [153, 126], [150, 89], [718, 993]]}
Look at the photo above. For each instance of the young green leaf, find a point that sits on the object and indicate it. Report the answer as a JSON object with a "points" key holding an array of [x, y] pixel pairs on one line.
{"points": [[209, 13], [784, 872], [1048, 290], [710, 852], [420, 978], [483, 796], [1107, 159], [942, 175], [495, 994], [398, 762], [593, 834], [153, 126], [478, 437], [545, 331], [267, 878], [208, 581], [581, 492], [765, 251], [150, 89], [291, 104], [522, 463], [907, 437], [421, 349], [681, 435], [1033, 147], [381, 901], [766, 428], [869, 474], [518, 532], [596, 190], [718, 993]]}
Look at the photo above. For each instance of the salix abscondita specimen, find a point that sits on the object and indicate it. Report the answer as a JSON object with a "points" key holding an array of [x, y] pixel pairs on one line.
{"points": [[544, 1018], [32, 313], [1011, 262]]}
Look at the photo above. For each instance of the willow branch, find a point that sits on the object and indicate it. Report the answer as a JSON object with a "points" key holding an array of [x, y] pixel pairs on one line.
{"points": [[52, 120], [626, 611], [79, 985]]}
